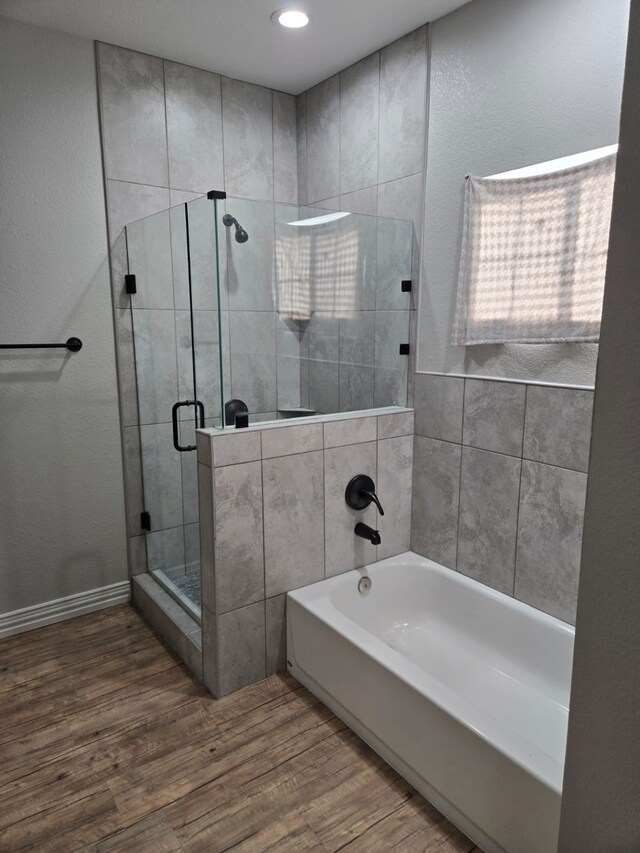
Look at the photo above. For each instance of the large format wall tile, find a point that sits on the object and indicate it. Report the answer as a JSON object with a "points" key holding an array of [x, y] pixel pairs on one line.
{"points": [[394, 264], [162, 476], [550, 538], [250, 271], [149, 250], [390, 387], [558, 426], [288, 383], [165, 551], [241, 642], [438, 403], [359, 96], [155, 348], [361, 201], [253, 332], [248, 139], [253, 379], [356, 345], [189, 468], [284, 441], [358, 252], [403, 199], [239, 557], [343, 549], [127, 386], [436, 491], [208, 279], [131, 202], [206, 531], [276, 634], [293, 521], [356, 387], [323, 140], [301, 147], [324, 386], [494, 415], [403, 82], [285, 172], [234, 446], [395, 462], [205, 347], [134, 495], [489, 487], [393, 425], [133, 116], [391, 330], [349, 431], [194, 128]]}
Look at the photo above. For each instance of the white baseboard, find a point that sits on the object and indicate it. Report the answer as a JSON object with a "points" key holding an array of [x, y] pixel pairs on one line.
{"points": [[64, 608]]}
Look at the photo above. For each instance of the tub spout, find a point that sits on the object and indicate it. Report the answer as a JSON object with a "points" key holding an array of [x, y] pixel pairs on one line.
{"points": [[366, 532]]}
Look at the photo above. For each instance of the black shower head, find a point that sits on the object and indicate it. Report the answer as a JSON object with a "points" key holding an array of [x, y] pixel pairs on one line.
{"points": [[240, 235]]}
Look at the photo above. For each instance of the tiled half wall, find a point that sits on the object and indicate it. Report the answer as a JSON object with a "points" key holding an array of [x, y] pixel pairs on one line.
{"points": [[273, 518], [499, 484]]}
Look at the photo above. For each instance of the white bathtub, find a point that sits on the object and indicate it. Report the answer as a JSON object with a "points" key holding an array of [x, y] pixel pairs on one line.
{"points": [[463, 690]]}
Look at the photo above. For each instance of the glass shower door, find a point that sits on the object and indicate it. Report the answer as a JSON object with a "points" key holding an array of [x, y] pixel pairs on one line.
{"points": [[176, 332]]}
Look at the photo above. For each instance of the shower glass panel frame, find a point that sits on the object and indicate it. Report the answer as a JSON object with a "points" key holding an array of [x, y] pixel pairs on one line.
{"points": [[310, 312], [176, 326]]}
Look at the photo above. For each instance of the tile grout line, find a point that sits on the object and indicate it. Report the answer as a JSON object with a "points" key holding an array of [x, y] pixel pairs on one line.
{"points": [[324, 501], [515, 555], [464, 388], [264, 559]]}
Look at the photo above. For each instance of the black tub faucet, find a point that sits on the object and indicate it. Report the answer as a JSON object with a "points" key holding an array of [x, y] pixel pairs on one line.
{"points": [[366, 532]]}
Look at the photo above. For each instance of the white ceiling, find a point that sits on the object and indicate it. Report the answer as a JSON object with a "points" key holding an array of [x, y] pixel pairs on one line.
{"points": [[236, 37]]}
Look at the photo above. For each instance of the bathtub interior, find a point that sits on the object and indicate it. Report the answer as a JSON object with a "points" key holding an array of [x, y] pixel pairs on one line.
{"points": [[509, 662]]}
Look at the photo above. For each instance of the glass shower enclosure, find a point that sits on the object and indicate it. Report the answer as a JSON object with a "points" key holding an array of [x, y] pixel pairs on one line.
{"points": [[284, 311]]}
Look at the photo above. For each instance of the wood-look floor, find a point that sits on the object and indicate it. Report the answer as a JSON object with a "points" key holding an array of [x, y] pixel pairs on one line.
{"points": [[108, 744]]}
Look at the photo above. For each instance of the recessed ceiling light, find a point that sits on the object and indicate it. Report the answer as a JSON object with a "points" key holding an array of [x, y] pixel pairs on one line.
{"points": [[291, 18]]}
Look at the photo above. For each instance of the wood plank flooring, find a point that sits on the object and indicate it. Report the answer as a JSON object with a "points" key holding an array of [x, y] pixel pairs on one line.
{"points": [[108, 744]]}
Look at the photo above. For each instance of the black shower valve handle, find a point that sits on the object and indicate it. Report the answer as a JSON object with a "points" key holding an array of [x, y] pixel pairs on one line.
{"points": [[372, 497], [360, 492]]}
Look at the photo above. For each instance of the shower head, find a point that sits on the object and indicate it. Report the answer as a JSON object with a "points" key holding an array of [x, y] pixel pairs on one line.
{"points": [[240, 235]]}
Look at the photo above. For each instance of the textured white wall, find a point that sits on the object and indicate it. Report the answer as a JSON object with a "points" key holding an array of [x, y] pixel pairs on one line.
{"points": [[511, 84], [61, 495], [601, 802]]}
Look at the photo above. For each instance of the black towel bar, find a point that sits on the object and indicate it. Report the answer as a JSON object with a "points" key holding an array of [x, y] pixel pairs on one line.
{"points": [[72, 344]]}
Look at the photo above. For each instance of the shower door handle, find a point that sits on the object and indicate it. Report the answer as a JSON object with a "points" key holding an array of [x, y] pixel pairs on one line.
{"points": [[174, 421]]}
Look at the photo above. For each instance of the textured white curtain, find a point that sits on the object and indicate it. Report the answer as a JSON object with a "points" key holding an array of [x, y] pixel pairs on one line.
{"points": [[533, 258]]}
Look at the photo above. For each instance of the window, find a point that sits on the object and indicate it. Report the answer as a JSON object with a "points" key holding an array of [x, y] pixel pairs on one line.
{"points": [[534, 255]]}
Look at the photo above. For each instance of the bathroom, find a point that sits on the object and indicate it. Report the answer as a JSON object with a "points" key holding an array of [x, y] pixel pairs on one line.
{"points": [[307, 542]]}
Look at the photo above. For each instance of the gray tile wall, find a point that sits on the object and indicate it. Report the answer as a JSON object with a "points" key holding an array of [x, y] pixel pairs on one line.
{"points": [[273, 518], [499, 484], [171, 133], [361, 139]]}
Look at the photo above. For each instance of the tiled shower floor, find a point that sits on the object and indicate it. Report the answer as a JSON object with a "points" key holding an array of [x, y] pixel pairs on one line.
{"points": [[188, 583]]}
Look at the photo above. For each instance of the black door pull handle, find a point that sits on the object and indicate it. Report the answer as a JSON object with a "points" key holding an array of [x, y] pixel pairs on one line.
{"points": [[174, 421]]}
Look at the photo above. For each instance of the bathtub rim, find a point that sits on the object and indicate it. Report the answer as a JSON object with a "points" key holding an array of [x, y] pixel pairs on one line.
{"points": [[542, 766]]}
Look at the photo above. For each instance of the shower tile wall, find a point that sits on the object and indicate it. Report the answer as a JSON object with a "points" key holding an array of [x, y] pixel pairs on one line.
{"points": [[499, 484], [361, 139], [171, 133], [277, 520]]}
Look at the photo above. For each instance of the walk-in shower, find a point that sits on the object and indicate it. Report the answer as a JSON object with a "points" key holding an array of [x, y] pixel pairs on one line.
{"points": [[311, 315]]}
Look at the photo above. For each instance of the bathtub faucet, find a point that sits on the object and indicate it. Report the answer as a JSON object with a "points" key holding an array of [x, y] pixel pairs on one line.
{"points": [[366, 532]]}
